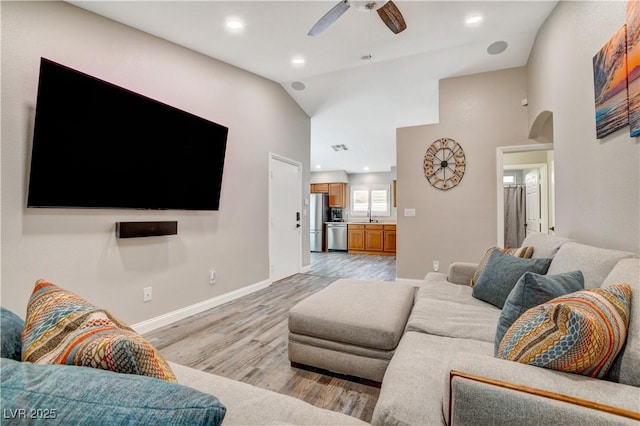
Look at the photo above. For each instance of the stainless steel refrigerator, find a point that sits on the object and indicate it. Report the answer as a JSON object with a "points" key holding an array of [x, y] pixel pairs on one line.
{"points": [[319, 214]]}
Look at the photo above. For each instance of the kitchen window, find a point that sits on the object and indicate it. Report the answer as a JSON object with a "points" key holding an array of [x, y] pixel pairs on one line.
{"points": [[374, 198]]}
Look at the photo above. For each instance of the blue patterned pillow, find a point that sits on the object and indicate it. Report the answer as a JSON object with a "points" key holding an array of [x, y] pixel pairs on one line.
{"points": [[89, 396], [502, 273], [532, 290], [579, 333], [11, 334]]}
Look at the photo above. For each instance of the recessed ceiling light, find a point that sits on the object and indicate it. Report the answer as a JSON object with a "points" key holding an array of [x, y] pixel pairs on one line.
{"points": [[234, 24], [298, 85], [298, 61], [474, 19], [318, 166], [497, 47], [366, 169]]}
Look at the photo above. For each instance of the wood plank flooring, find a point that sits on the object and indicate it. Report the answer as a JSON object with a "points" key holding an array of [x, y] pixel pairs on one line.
{"points": [[246, 339]]}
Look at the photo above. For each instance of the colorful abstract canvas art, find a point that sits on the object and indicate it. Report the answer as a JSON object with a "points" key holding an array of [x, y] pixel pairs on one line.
{"points": [[633, 65], [610, 85]]}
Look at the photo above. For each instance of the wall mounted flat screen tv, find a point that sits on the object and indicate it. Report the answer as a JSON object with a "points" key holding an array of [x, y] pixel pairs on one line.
{"points": [[97, 145]]}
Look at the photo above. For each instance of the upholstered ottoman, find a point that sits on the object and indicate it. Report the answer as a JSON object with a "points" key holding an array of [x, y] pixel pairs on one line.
{"points": [[351, 327]]}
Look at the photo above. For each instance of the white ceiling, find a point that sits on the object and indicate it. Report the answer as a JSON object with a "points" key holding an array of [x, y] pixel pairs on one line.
{"points": [[350, 101]]}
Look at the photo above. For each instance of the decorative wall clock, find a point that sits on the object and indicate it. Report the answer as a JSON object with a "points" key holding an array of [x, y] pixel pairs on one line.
{"points": [[444, 164]]}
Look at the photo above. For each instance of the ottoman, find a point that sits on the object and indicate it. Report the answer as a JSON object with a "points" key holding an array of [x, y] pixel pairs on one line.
{"points": [[351, 327]]}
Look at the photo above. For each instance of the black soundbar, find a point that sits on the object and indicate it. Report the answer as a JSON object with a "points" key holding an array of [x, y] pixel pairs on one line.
{"points": [[146, 229]]}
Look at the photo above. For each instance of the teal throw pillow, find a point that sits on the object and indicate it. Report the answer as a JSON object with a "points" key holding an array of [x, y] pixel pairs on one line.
{"points": [[11, 335], [502, 273], [532, 290], [73, 395]]}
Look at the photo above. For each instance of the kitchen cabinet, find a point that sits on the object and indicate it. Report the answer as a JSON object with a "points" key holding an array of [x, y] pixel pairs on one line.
{"points": [[355, 237], [375, 238], [319, 188], [338, 195], [390, 238]]}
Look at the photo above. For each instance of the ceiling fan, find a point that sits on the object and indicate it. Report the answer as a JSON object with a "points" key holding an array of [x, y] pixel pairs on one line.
{"points": [[387, 10]]}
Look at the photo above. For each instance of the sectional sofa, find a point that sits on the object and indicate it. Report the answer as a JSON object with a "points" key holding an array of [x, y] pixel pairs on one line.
{"points": [[449, 330], [443, 371]]}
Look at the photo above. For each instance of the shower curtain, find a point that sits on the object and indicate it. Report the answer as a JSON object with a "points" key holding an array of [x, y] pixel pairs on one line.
{"points": [[514, 215]]}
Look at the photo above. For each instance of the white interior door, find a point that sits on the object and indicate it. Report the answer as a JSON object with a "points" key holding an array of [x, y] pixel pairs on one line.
{"points": [[533, 202], [285, 202]]}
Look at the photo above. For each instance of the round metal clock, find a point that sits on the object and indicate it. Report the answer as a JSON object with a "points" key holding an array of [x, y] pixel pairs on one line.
{"points": [[444, 164]]}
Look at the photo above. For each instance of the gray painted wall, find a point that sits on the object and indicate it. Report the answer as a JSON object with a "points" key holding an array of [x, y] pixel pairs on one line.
{"points": [[77, 248], [481, 112], [597, 181]]}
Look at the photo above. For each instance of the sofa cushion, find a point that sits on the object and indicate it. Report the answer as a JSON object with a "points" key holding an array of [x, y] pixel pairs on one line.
{"points": [[626, 368], [371, 314], [80, 395], [451, 319], [533, 290], [11, 335], [522, 252], [437, 287], [581, 333], [544, 245], [501, 275], [413, 386], [595, 263], [63, 328]]}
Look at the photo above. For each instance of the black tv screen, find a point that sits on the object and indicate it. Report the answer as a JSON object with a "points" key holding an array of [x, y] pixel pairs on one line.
{"points": [[97, 145]]}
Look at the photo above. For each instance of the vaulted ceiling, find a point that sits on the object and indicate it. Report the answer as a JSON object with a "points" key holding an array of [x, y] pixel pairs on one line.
{"points": [[352, 101]]}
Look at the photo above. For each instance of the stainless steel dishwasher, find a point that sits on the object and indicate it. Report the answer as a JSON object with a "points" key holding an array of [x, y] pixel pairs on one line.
{"points": [[337, 236]]}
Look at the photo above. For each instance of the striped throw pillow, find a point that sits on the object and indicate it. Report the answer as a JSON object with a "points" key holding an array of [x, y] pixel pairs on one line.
{"points": [[63, 328], [522, 252], [580, 333]]}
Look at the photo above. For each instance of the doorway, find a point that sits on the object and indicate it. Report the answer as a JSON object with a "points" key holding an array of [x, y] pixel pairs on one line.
{"points": [[531, 167], [285, 224]]}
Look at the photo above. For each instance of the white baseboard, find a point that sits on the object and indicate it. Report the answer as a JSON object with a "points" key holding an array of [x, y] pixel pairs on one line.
{"points": [[410, 281], [171, 317], [305, 269]]}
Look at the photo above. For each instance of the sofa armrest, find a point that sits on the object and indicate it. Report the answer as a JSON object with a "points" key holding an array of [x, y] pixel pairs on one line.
{"points": [[486, 390], [461, 272]]}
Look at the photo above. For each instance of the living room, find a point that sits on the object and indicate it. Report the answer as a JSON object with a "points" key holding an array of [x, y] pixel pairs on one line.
{"points": [[597, 180]]}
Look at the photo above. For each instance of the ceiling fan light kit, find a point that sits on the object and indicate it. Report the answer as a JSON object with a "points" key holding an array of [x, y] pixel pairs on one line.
{"points": [[387, 10]]}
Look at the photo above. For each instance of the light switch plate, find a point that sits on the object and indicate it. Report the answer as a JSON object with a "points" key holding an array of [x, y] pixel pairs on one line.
{"points": [[409, 212]]}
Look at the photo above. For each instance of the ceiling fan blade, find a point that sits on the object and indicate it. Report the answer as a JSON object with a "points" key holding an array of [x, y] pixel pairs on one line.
{"points": [[329, 18], [391, 16]]}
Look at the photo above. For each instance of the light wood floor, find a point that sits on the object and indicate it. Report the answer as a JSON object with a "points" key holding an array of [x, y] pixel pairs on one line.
{"points": [[246, 339]]}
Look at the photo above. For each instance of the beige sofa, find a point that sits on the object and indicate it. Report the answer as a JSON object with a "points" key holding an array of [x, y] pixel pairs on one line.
{"points": [[250, 405], [451, 331]]}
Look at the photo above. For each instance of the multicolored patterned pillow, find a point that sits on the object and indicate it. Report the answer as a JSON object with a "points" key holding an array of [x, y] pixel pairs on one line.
{"points": [[580, 333], [522, 252], [63, 328]]}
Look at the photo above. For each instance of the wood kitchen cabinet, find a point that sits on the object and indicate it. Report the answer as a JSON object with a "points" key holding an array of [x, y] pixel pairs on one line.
{"points": [[390, 238], [372, 239], [355, 238], [319, 188], [338, 195]]}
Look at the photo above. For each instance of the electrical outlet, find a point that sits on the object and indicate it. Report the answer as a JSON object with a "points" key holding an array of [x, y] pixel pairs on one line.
{"points": [[213, 275], [147, 294]]}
